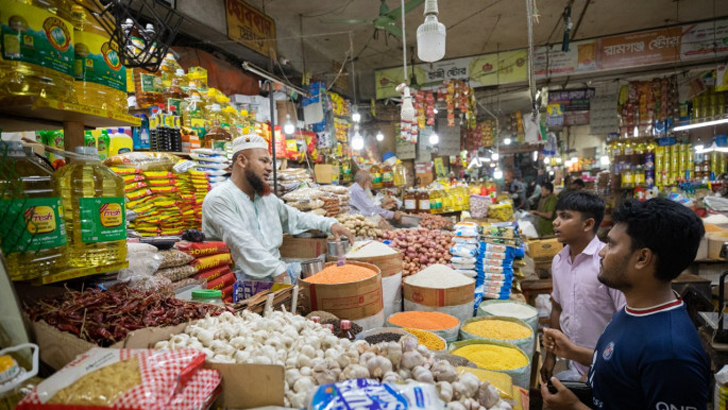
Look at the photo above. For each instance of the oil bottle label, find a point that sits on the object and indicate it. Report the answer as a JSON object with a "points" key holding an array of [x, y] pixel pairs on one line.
{"points": [[33, 35], [97, 61], [30, 225], [102, 219], [387, 177], [150, 83]]}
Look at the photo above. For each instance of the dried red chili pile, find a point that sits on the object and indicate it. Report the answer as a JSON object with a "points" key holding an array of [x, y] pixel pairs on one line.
{"points": [[106, 317]]}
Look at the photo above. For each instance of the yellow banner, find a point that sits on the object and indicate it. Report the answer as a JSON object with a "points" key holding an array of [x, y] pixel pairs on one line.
{"points": [[512, 66], [387, 80], [250, 27]]}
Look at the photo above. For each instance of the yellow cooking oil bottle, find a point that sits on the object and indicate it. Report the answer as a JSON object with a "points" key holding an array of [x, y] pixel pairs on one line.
{"points": [[32, 229], [37, 55], [93, 199], [100, 76]]}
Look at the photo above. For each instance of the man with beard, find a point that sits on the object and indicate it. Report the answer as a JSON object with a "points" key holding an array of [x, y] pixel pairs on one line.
{"points": [[362, 199], [650, 355], [243, 213]]}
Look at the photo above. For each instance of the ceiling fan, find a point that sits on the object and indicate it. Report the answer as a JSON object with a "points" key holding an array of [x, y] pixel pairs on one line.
{"points": [[387, 20]]}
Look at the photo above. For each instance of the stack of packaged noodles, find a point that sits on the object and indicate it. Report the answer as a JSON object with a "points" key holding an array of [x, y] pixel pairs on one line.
{"points": [[212, 266], [192, 187]]}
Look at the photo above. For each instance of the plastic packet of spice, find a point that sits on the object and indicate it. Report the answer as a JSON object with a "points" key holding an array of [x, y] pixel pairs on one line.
{"points": [[369, 394], [464, 250], [127, 378]]}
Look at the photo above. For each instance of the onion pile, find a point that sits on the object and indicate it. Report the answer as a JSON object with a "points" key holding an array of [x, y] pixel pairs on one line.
{"points": [[430, 221], [421, 247]]}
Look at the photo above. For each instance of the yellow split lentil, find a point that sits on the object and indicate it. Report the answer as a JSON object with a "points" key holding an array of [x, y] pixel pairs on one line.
{"points": [[492, 357], [497, 329], [428, 339]]}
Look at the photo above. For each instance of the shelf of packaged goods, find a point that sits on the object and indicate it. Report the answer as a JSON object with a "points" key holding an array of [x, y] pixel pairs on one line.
{"points": [[35, 113], [79, 273]]}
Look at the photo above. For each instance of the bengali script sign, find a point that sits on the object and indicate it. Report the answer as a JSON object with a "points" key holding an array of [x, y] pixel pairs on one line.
{"points": [[704, 40], [250, 27], [640, 49]]}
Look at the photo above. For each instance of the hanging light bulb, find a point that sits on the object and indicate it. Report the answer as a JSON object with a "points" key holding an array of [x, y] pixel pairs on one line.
{"points": [[507, 141], [434, 139], [494, 156], [558, 160], [408, 110], [604, 160], [288, 127], [357, 142], [497, 174], [356, 117], [380, 136], [431, 35], [535, 156], [547, 160], [435, 111], [574, 160]]}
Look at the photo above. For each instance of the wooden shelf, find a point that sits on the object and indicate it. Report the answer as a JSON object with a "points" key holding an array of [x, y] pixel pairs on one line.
{"points": [[35, 113]]}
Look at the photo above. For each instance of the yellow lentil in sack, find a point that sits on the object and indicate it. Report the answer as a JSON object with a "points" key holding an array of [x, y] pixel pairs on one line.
{"points": [[497, 329], [428, 339], [493, 357]]}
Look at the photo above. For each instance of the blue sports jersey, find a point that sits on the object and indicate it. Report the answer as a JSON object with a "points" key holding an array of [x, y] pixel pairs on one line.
{"points": [[650, 359]]}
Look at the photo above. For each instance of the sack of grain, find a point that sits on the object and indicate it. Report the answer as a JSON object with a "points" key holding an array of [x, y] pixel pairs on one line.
{"points": [[389, 261], [500, 329], [352, 293], [496, 356], [440, 289], [509, 308]]}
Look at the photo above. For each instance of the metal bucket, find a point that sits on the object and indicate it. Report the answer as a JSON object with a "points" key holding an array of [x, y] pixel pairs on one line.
{"points": [[311, 267], [338, 248]]}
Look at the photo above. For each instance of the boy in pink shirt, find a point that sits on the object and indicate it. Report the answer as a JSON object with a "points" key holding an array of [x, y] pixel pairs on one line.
{"points": [[582, 306]]}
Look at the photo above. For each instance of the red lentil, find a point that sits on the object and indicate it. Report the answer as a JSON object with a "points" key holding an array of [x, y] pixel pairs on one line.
{"points": [[341, 274], [424, 320]]}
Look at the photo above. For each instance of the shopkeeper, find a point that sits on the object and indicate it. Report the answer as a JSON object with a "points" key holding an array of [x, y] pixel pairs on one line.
{"points": [[243, 213], [362, 200], [546, 211]]}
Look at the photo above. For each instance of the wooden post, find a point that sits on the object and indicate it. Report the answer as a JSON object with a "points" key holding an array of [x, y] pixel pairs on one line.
{"points": [[73, 135]]}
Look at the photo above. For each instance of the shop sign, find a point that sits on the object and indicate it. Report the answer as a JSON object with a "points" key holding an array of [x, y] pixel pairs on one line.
{"points": [[387, 80], [457, 69], [512, 66], [640, 49], [575, 103], [250, 27], [704, 40], [550, 61], [555, 115]]}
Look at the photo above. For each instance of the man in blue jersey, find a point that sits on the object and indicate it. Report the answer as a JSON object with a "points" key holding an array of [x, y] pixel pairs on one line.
{"points": [[650, 355]]}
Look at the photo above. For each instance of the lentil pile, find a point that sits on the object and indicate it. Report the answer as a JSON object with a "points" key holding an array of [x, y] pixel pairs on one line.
{"points": [[497, 329], [383, 337], [439, 277], [492, 357], [341, 274], [424, 320], [510, 310], [428, 339]]}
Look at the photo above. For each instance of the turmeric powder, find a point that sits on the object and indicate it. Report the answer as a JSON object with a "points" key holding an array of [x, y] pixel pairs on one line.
{"points": [[341, 274]]}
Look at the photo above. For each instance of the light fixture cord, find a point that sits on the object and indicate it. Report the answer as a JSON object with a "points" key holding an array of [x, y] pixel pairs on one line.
{"points": [[529, 60], [404, 43]]}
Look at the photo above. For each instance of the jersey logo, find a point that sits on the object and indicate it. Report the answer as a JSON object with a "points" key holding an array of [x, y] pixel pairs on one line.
{"points": [[608, 351]]}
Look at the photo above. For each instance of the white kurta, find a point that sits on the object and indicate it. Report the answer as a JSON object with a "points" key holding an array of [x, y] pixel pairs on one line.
{"points": [[254, 230]]}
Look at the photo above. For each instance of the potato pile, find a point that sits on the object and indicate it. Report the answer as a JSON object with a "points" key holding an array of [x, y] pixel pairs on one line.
{"points": [[421, 247], [360, 226]]}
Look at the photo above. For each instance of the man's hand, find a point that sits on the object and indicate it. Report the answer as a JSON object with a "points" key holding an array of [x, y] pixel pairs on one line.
{"points": [[397, 216], [533, 212], [547, 369], [557, 343], [562, 399], [389, 204], [339, 230]]}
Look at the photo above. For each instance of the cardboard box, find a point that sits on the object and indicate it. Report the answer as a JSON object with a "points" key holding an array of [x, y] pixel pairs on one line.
{"points": [[302, 248], [543, 249]]}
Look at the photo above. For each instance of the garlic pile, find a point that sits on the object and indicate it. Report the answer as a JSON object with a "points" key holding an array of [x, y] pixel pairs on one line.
{"points": [[313, 356]]}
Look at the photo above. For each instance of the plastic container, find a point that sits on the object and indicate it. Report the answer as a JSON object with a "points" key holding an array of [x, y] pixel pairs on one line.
{"points": [[100, 76], [37, 247], [120, 143], [37, 50], [208, 296], [93, 201], [526, 344]]}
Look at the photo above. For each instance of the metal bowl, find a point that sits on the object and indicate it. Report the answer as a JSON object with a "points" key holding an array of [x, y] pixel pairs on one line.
{"points": [[311, 267], [338, 248]]}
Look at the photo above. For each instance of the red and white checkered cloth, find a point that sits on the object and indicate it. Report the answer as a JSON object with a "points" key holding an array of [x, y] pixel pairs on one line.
{"points": [[170, 379]]}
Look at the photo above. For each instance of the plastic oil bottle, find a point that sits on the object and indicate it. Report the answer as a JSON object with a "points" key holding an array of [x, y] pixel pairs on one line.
{"points": [[35, 25], [33, 237], [100, 76], [93, 200]]}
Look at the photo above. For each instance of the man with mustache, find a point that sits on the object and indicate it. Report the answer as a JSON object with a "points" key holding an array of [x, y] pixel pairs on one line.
{"points": [[650, 355], [243, 213]]}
